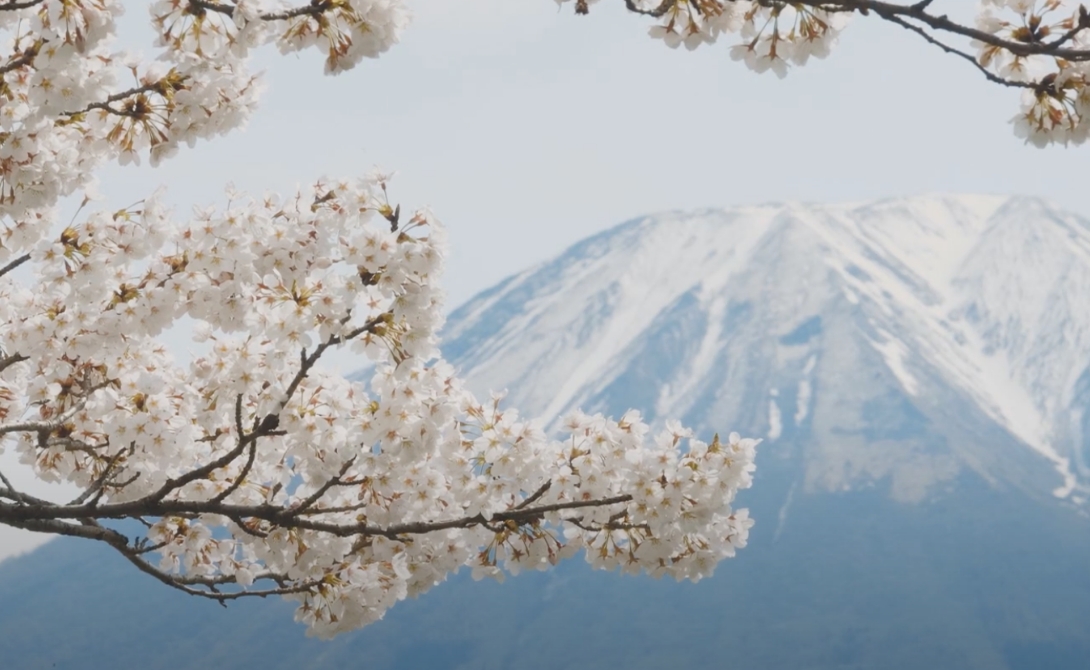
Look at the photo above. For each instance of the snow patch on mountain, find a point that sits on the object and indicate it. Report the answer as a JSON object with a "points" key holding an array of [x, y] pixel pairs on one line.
{"points": [[894, 352]]}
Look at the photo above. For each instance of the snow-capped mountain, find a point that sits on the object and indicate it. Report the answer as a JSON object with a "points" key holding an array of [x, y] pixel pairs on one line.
{"points": [[919, 369], [851, 328]]}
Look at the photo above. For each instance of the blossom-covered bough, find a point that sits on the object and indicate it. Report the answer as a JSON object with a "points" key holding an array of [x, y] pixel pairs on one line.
{"points": [[250, 471], [1039, 46]]}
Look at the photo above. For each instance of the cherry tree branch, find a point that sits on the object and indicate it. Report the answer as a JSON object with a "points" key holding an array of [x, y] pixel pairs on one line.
{"points": [[10, 360], [911, 17], [536, 495], [315, 8], [82, 519], [162, 87], [943, 23], [9, 491], [664, 6], [44, 428], [308, 502], [149, 506], [189, 583], [203, 471], [196, 585], [97, 485], [14, 264], [991, 76], [58, 527], [13, 5]]}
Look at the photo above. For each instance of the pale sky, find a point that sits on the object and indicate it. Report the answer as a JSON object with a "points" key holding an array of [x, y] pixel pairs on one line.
{"points": [[526, 129]]}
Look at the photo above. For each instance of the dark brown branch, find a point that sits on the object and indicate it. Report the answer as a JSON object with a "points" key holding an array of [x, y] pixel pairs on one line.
{"points": [[313, 498], [395, 531], [151, 506], [241, 478], [25, 58], [57, 527], [187, 584], [991, 76], [198, 473], [44, 428], [606, 527], [9, 491], [142, 547], [536, 495], [315, 8], [42, 516], [98, 483], [249, 459], [314, 511], [91, 530], [14, 264], [308, 361], [241, 523], [14, 5], [1081, 24], [664, 7], [164, 87], [105, 105], [268, 425], [8, 361], [918, 12], [207, 469]]}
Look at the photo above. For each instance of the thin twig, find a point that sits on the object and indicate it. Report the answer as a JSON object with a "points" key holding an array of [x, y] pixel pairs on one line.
{"points": [[536, 495], [99, 482], [957, 52], [313, 498], [15, 4], [919, 12]]}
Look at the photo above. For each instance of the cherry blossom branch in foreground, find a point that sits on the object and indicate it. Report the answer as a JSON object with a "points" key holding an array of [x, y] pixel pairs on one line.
{"points": [[254, 472], [1039, 46]]}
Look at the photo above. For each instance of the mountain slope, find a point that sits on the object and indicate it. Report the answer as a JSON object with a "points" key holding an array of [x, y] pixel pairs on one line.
{"points": [[919, 369]]}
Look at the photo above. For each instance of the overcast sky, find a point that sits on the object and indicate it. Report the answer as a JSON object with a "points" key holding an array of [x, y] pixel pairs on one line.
{"points": [[527, 128]]}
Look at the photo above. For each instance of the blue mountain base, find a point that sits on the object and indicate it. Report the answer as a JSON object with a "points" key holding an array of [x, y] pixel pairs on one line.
{"points": [[849, 581]]}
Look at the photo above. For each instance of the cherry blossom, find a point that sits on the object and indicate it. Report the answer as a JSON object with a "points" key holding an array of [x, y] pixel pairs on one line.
{"points": [[253, 471]]}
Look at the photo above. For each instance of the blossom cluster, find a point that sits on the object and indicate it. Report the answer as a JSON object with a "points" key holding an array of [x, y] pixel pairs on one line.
{"points": [[254, 469], [1040, 46], [69, 101], [1056, 108], [775, 35]]}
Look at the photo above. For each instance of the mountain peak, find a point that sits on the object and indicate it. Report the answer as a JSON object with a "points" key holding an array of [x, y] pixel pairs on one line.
{"points": [[947, 307]]}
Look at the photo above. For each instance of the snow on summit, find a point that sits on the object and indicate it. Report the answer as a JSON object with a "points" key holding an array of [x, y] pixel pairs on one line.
{"points": [[905, 340]]}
